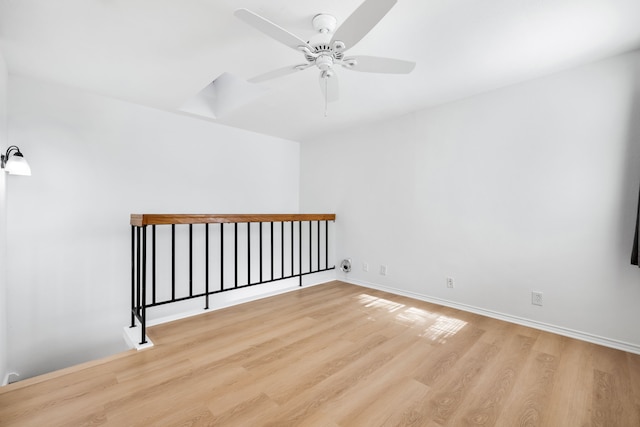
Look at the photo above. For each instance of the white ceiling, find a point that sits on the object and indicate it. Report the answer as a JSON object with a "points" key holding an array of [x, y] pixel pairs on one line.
{"points": [[159, 53]]}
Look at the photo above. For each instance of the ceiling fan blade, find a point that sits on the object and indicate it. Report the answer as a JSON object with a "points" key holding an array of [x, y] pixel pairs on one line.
{"points": [[376, 64], [329, 87], [278, 73], [270, 29], [361, 21]]}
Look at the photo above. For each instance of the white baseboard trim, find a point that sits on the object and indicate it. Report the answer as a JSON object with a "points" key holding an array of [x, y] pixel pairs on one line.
{"points": [[7, 378], [567, 332], [132, 338]]}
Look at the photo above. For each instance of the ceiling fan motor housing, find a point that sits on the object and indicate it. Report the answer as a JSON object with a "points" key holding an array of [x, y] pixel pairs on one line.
{"points": [[323, 49], [324, 54]]}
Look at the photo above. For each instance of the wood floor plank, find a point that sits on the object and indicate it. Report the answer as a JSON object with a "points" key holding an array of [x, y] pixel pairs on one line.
{"points": [[390, 409], [572, 390], [443, 358], [346, 373], [453, 389], [360, 399], [633, 362], [45, 405], [530, 398], [268, 379], [247, 412], [285, 392], [339, 355], [613, 394], [490, 395], [189, 415], [550, 344]]}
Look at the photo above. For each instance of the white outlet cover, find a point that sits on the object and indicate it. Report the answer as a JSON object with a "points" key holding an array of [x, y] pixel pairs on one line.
{"points": [[536, 298]]}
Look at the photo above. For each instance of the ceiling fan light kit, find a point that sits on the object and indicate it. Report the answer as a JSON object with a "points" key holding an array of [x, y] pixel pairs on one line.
{"points": [[326, 49]]}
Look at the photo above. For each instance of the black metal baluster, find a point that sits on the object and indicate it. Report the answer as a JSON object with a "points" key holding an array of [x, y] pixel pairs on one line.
{"points": [[310, 246], [133, 275], [138, 254], [326, 244], [318, 224], [291, 248], [143, 320], [271, 250], [222, 256], [173, 261], [248, 253], [282, 249], [190, 260], [300, 251], [206, 266], [260, 230], [153, 264], [235, 251]]}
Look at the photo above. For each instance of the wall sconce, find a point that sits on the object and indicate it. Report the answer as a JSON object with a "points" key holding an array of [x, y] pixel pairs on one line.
{"points": [[14, 163]]}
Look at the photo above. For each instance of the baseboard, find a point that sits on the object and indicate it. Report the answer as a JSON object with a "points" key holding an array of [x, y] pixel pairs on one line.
{"points": [[571, 333], [7, 378], [132, 338]]}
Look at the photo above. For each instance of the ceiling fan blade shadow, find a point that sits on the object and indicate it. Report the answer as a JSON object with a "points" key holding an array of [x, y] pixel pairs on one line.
{"points": [[284, 71], [361, 21], [270, 29], [329, 87], [377, 64]]}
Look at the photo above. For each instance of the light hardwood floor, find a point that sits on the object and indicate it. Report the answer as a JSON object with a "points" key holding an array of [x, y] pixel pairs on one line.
{"points": [[339, 355]]}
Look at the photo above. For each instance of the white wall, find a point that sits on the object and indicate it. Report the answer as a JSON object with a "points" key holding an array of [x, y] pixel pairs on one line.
{"points": [[3, 223], [529, 188], [95, 161]]}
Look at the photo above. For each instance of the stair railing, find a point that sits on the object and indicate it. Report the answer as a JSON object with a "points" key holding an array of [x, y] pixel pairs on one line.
{"points": [[274, 247]]}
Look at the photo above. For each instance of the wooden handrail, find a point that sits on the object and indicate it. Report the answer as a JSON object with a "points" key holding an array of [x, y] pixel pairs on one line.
{"points": [[140, 220]]}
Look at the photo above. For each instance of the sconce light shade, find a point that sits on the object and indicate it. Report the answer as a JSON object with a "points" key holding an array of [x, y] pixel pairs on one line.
{"points": [[14, 163]]}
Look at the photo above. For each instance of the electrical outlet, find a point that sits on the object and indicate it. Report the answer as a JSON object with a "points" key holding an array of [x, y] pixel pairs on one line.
{"points": [[383, 270], [536, 298], [365, 266], [450, 282]]}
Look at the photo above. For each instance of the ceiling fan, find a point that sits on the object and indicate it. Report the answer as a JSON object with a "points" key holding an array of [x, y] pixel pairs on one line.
{"points": [[327, 48]]}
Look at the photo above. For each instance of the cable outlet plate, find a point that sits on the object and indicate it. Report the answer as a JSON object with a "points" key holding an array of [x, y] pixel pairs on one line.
{"points": [[383, 270], [536, 298]]}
